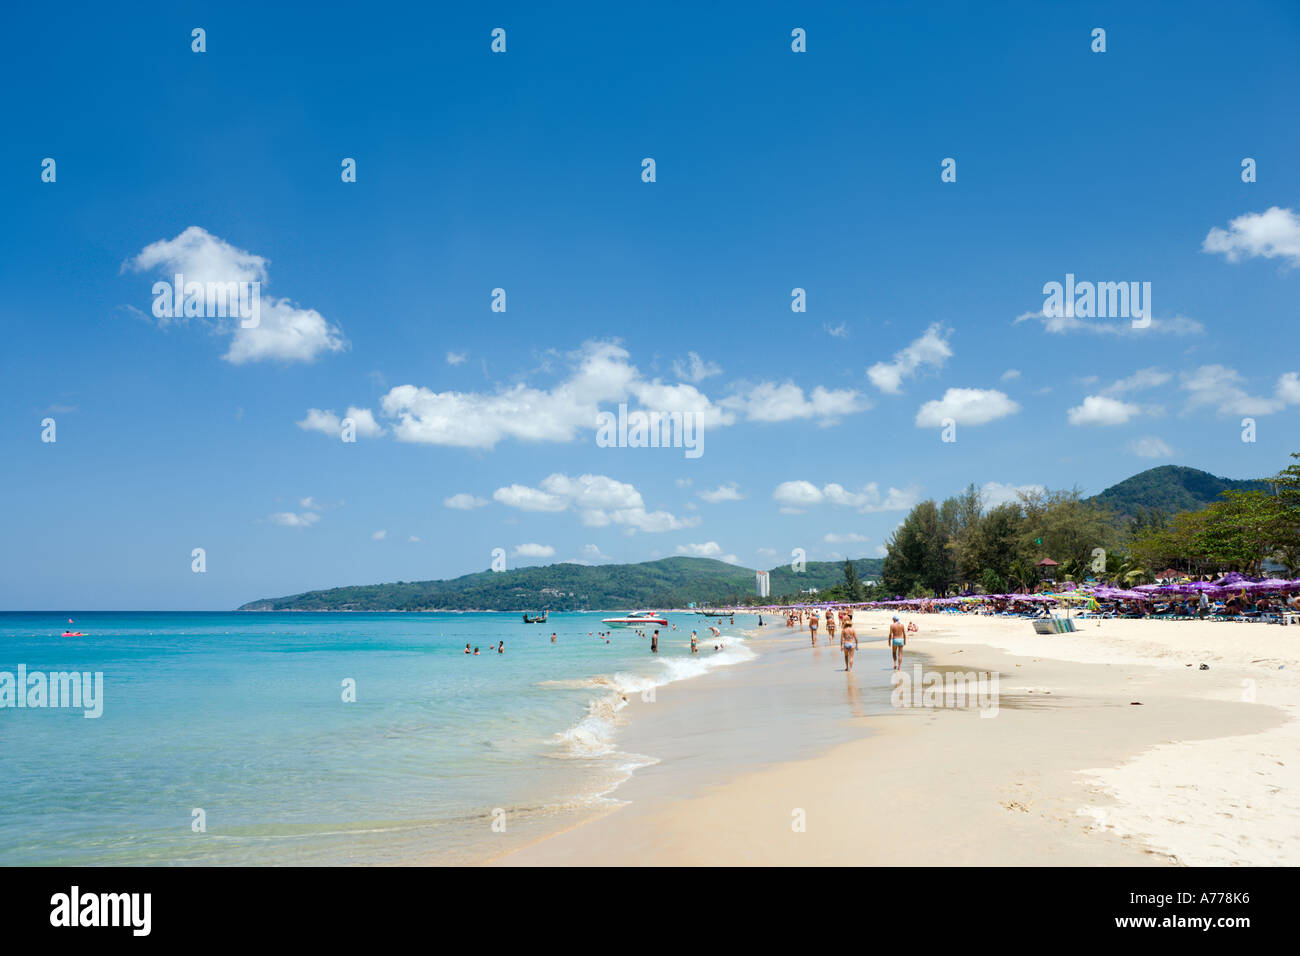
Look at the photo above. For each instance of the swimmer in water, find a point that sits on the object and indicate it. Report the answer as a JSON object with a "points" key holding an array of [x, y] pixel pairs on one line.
{"points": [[654, 642], [501, 647], [695, 643], [552, 637], [467, 650]]}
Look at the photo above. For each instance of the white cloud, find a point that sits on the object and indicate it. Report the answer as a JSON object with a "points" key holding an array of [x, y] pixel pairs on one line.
{"points": [[840, 331], [930, 349], [413, 539], [529, 499], [533, 550], [695, 369], [966, 406], [1221, 388], [1150, 447], [770, 402], [682, 482], [1272, 234], [728, 492], [289, 519], [850, 538], [598, 500], [795, 496], [1141, 379], [326, 422], [709, 549], [1288, 388], [379, 535], [284, 331], [456, 358], [600, 376], [1010, 374], [1177, 325], [592, 552], [1100, 410], [463, 502], [994, 493]]}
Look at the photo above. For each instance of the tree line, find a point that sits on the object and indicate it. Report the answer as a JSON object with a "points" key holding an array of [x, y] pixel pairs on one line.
{"points": [[961, 545]]}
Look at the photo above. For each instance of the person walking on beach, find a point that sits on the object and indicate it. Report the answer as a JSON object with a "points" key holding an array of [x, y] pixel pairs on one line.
{"points": [[654, 642], [848, 644], [812, 629], [897, 641]]}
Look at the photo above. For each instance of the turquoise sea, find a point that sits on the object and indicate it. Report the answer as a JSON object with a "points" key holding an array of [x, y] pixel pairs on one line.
{"points": [[443, 757]]}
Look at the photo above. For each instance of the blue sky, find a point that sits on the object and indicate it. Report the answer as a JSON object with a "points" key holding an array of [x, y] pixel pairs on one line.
{"points": [[775, 170]]}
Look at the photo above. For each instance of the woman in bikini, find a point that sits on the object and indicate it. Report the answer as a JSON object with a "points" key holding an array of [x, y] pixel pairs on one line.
{"points": [[848, 644]]}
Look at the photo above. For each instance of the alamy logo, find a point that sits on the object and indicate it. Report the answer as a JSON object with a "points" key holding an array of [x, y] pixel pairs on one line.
{"points": [[73, 689], [651, 430], [213, 300], [133, 910], [1102, 300], [951, 689]]}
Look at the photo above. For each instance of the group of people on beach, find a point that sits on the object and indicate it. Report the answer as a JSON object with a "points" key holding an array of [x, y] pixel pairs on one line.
{"points": [[848, 634]]}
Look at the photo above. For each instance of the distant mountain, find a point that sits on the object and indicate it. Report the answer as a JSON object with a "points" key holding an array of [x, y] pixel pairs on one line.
{"points": [[1170, 488], [670, 582]]}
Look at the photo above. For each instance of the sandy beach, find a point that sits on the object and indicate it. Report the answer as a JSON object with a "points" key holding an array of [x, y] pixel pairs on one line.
{"points": [[1109, 746]]}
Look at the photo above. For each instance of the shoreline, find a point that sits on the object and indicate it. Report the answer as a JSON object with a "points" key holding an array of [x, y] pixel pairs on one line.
{"points": [[1071, 771]]}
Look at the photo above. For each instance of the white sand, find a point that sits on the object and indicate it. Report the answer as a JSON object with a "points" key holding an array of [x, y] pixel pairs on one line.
{"points": [[1070, 771]]}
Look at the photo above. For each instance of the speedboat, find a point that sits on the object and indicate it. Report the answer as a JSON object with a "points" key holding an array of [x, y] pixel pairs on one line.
{"points": [[636, 619]]}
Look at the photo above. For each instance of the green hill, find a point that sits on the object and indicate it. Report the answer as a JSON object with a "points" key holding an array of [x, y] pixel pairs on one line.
{"points": [[670, 582], [1170, 488]]}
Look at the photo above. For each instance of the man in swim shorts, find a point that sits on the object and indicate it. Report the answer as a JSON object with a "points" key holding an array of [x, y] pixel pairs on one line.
{"points": [[897, 641], [654, 642]]}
